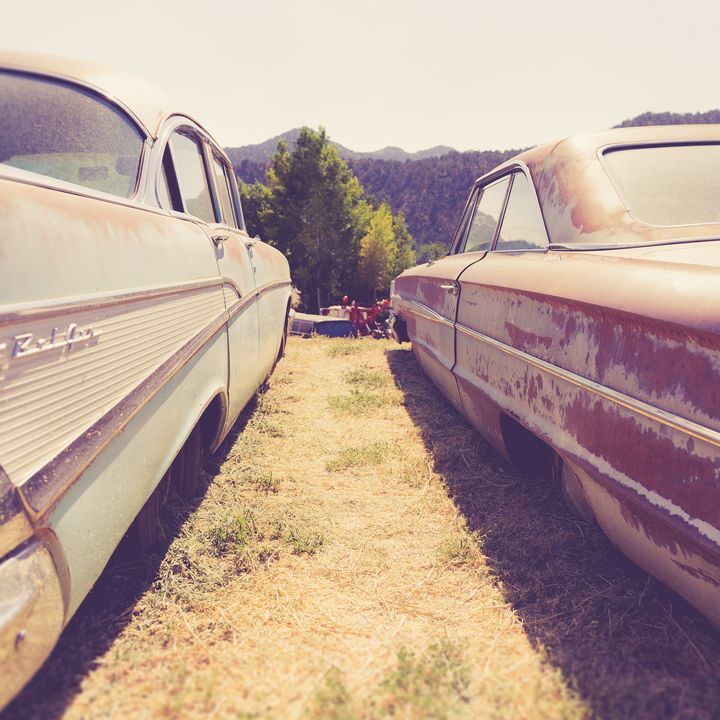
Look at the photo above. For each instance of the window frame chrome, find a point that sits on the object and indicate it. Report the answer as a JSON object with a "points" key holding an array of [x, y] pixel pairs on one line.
{"points": [[471, 205], [516, 169], [209, 147], [214, 156], [479, 189]]}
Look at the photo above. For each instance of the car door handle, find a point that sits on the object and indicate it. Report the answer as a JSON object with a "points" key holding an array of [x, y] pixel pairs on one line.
{"points": [[452, 288], [218, 240]]}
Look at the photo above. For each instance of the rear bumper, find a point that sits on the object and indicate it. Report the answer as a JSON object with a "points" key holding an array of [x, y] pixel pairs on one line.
{"points": [[398, 328], [31, 615]]}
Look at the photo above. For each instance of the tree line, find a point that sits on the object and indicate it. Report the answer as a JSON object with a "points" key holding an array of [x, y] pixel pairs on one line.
{"points": [[429, 194], [338, 240]]}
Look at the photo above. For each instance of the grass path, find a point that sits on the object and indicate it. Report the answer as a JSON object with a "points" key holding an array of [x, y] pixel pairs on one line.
{"points": [[360, 553]]}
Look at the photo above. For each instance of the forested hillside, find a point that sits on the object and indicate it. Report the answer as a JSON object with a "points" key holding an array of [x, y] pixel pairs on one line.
{"points": [[670, 118], [430, 193]]}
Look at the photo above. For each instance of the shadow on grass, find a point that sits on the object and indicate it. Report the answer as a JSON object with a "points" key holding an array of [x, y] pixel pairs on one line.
{"points": [[629, 646], [109, 607]]}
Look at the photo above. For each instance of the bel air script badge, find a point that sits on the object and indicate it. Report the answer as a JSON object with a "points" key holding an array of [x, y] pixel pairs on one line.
{"points": [[28, 344]]}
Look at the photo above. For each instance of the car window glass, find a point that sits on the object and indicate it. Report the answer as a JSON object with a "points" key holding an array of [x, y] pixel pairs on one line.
{"points": [[164, 191], [223, 192], [191, 177], [522, 225], [459, 238], [235, 195], [669, 184], [487, 212], [65, 132]]}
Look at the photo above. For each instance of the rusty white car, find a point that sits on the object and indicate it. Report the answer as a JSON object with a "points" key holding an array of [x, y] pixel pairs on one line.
{"points": [[137, 319], [576, 323]]}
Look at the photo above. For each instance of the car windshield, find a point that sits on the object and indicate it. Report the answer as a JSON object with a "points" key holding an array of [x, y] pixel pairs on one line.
{"points": [[668, 184], [64, 132]]}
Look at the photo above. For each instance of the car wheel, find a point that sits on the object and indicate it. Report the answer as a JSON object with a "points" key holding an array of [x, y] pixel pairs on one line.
{"points": [[572, 491], [283, 341], [186, 470], [147, 527]]}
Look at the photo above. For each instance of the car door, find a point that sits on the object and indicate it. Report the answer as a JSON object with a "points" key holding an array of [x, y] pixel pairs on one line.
{"points": [[430, 293], [202, 184], [497, 311]]}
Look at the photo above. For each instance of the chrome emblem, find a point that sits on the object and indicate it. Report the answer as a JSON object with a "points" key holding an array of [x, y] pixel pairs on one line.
{"points": [[28, 344]]}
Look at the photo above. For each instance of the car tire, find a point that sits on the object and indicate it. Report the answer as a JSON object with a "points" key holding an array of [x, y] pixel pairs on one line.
{"points": [[186, 470], [573, 492], [147, 527]]}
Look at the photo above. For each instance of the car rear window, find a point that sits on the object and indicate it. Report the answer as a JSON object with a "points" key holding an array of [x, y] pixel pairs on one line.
{"points": [[64, 132], [668, 184]]}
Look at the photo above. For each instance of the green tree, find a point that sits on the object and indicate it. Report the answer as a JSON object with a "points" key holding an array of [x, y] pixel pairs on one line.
{"points": [[255, 205], [314, 210], [378, 251], [405, 256], [315, 214]]}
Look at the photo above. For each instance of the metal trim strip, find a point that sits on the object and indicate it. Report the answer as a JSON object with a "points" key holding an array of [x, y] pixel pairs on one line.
{"points": [[49, 483], [257, 291], [270, 286], [663, 417], [429, 313], [233, 285], [100, 301]]}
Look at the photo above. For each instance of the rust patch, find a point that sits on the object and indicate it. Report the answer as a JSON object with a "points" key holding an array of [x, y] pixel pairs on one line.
{"points": [[647, 454], [697, 573]]}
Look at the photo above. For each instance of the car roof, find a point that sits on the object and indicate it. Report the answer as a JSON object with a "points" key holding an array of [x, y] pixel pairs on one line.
{"points": [[146, 102], [578, 199], [592, 142]]}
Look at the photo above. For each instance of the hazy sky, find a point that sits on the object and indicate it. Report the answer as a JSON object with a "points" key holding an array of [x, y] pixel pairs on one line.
{"points": [[473, 75]]}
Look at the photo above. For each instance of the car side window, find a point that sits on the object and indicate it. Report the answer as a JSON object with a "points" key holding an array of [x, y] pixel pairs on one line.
{"points": [[487, 213], [62, 131], [522, 225], [223, 191], [192, 179], [235, 196]]}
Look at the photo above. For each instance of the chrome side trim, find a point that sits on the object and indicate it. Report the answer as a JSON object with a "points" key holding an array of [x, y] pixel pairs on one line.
{"points": [[100, 301], [240, 305], [232, 284], [44, 488], [256, 291], [270, 286], [663, 417], [600, 247], [429, 314]]}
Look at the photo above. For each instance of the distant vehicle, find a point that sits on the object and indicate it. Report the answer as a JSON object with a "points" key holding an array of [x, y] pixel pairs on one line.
{"points": [[137, 319], [306, 325], [576, 323]]}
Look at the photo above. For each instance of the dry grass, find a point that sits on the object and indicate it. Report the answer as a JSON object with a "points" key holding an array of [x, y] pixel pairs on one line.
{"points": [[360, 553]]}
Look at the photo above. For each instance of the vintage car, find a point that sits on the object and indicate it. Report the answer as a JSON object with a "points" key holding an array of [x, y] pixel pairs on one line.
{"points": [[305, 325], [576, 323], [137, 319]]}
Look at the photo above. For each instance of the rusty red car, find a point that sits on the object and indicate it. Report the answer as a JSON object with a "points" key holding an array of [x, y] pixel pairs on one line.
{"points": [[576, 323]]}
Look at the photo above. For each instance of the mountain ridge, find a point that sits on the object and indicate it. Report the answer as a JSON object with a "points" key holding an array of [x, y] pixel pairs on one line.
{"points": [[262, 152]]}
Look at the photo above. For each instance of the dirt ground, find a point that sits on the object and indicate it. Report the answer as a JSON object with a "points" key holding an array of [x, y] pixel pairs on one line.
{"points": [[360, 552]]}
